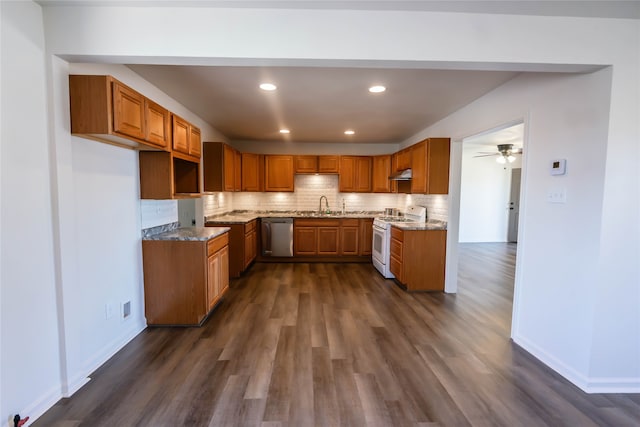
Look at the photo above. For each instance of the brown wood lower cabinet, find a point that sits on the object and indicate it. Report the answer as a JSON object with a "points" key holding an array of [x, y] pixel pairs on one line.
{"points": [[418, 258], [184, 280], [243, 245], [366, 236], [330, 237]]}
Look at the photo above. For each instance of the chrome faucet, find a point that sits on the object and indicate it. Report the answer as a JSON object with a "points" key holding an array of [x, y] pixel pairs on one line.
{"points": [[326, 203]]}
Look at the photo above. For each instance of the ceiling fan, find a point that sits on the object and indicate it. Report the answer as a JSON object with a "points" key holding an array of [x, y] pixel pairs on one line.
{"points": [[505, 153]]}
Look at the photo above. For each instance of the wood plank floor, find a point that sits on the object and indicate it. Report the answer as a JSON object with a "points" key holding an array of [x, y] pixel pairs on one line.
{"points": [[337, 345]]}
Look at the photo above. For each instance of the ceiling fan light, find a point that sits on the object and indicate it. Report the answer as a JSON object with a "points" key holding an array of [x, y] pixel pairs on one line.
{"points": [[501, 160], [511, 158]]}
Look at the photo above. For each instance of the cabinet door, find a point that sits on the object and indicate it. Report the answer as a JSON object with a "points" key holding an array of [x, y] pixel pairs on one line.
{"points": [[305, 240], [366, 236], [404, 159], [249, 247], [328, 164], [237, 171], [180, 135], [278, 173], [349, 240], [213, 280], [381, 173], [419, 168], [229, 165], [224, 270], [306, 164], [195, 142], [252, 172], [128, 111], [438, 152], [328, 240], [347, 179], [363, 175], [158, 124]]}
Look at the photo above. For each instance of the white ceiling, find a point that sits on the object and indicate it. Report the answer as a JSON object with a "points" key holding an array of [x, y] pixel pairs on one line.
{"points": [[317, 104]]}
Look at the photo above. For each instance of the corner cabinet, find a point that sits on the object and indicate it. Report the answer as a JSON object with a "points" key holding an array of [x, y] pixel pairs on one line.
{"points": [[243, 246], [278, 173], [417, 258], [184, 280], [221, 166], [430, 166]]}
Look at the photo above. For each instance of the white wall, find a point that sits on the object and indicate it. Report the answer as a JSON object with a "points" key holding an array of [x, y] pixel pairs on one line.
{"points": [[484, 198], [30, 368], [566, 116]]}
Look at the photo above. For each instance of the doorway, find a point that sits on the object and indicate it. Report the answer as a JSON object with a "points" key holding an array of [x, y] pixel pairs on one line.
{"points": [[490, 185]]}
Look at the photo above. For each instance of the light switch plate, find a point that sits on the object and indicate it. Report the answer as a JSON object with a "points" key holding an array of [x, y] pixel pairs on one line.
{"points": [[557, 195]]}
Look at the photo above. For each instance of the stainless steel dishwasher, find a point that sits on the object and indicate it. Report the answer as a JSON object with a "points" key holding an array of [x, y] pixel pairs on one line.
{"points": [[277, 237]]}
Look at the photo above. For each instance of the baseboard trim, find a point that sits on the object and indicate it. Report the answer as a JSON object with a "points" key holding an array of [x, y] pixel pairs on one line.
{"points": [[107, 352], [587, 384], [41, 405]]}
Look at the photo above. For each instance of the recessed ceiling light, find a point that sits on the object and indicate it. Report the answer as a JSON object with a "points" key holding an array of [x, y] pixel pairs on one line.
{"points": [[377, 89], [349, 132], [285, 131], [268, 86]]}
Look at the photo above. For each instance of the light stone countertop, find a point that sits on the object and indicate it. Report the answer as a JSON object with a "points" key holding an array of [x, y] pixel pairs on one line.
{"points": [[420, 226], [243, 217], [190, 234]]}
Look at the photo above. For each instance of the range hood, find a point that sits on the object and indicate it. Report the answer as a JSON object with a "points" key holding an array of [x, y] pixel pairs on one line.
{"points": [[404, 175]]}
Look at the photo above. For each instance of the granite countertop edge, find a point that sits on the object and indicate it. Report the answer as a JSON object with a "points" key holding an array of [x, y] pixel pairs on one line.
{"points": [[429, 225], [190, 234], [245, 217]]}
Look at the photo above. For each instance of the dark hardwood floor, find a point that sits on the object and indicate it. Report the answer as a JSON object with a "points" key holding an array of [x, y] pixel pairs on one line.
{"points": [[337, 345]]}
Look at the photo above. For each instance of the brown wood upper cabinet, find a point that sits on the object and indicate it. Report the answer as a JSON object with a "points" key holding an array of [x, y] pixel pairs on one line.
{"points": [[252, 172], [381, 173], [430, 166], [404, 159], [163, 175], [355, 174], [219, 164], [278, 172], [104, 109], [186, 138], [317, 164]]}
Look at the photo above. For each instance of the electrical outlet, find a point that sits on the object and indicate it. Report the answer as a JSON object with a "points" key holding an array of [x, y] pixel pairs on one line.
{"points": [[108, 311], [126, 309]]}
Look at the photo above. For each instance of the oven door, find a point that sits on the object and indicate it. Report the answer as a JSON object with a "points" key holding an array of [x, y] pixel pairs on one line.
{"points": [[379, 246]]}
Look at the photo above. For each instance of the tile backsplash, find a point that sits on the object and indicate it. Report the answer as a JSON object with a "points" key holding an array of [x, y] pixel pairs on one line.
{"points": [[309, 189]]}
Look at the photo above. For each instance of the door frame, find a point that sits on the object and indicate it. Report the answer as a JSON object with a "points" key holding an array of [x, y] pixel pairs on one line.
{"points": [[453, 220]]}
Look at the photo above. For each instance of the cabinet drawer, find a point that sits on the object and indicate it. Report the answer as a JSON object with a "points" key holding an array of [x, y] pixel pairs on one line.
{"points": [[351, 222], [396, 268], [317, 222], [396, 248], [214, 245], [249, 227], [397, 234]]}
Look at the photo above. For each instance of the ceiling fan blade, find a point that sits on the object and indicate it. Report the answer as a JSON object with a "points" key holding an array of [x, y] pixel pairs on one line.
{"points": [[516, 151], [487, 152], [488, 155]]}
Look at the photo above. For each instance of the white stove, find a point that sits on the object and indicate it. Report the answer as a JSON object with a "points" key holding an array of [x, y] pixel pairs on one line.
{"points": [[382, 236]]}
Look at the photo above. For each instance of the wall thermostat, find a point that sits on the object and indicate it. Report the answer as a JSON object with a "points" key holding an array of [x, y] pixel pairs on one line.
{"points": [[558, 167]]}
